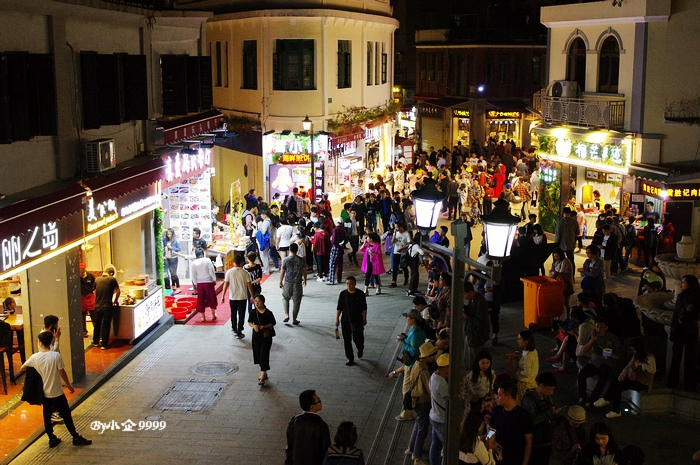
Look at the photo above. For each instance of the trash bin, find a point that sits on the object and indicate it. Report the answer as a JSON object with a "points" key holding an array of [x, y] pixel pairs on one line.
{"points": [[543, 301]]}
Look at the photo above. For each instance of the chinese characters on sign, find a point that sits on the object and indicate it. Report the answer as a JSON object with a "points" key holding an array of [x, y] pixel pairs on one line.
{"points": [[183, 164], [503, 114], [607, 154], [100, 215], [457, 113], [672, 192], [18, 249], [288, 158]]}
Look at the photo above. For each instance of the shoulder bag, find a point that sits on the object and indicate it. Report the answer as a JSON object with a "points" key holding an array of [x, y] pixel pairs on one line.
{"points": [[267, 332]]}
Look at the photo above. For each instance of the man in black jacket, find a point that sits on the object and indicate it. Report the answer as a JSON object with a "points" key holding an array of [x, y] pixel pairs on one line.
{"points": [[308, 436]]}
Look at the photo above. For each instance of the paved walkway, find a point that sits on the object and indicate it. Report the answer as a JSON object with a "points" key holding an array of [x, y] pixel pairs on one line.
{"points": [[246, 423]]}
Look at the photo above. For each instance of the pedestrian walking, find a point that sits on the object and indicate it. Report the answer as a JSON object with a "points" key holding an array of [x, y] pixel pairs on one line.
{"points": [[263, 322], [566, 231], [308, 436], [49, 365], [292, 278], [203, 276], [107, 294], [410, 349], [351, 316], [338, 240], [372, 263], [255, 272], [237, 281]]}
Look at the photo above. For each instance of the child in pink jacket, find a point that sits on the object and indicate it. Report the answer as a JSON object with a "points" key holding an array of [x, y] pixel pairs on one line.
{"points": [[372, 262]]}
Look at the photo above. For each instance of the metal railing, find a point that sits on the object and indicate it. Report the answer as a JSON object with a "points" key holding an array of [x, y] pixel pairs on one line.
{"points": [[591, 112]]}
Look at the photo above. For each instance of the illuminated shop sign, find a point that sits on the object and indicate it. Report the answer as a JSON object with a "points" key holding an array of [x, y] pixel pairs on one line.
{"points": [[612, 157], [461, 113], [99, 214], [503, 114], [290, 158], [672, 192], [284, 148], [182, 165], [16, 250], [373, 134]]}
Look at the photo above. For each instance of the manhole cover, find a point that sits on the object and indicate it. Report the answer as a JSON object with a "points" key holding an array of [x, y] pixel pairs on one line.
{"points": [[214, 369], [190, 396]]}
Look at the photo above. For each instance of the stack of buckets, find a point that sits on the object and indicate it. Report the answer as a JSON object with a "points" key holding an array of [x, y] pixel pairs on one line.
{"points": [[180, 307]]}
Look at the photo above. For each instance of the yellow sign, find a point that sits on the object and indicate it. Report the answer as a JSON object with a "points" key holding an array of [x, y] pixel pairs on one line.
{"points": [[289, 158], [503, 114], [461, 113]]}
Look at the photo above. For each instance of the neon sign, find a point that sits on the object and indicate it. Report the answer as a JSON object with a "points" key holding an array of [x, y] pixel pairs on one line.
{"points": [[288, 158], [461, 113], [185, 163], [18, 249], [503, 114], [100, 215]]}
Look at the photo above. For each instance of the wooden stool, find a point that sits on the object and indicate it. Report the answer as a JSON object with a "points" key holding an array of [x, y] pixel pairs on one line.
{"points": [[2, 369]]}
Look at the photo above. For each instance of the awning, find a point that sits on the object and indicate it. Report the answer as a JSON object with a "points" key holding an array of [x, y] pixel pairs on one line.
{"points": [[508, 105], [650, 172], [185, 127]]}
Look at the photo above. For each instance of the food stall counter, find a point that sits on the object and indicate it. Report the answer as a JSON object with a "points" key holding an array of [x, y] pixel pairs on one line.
{"points": [[137, 315]]}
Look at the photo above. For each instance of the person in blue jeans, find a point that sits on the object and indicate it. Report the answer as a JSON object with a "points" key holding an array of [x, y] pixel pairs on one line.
{"points": [[420, 397]]}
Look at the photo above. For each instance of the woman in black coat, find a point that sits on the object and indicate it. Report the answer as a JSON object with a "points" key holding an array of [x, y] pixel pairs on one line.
{"points": [[263, 323]]}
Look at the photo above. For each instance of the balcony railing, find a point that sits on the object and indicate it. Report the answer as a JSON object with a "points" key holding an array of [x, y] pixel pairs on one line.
{"points": [[588, 112]]}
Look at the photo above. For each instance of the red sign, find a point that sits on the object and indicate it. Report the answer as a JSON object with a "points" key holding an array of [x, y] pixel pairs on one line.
{"points": [[295, 158]]}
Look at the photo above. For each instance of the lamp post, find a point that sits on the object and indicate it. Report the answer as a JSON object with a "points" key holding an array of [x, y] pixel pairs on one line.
{"points": [[309, 128], [499, 231]]}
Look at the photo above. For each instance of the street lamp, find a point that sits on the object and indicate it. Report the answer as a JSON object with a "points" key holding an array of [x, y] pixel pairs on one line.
{"points": [[309, 128], [499, 232], [427, 201]]}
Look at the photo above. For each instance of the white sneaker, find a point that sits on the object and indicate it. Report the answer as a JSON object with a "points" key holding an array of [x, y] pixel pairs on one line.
{"points": [[320, 280], [56, 418], [612, 414], [601, 403], [557, 365]]}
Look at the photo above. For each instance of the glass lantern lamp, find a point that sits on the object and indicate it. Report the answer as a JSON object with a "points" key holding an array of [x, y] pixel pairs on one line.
{"points": [[499, 230], [427, 201]]}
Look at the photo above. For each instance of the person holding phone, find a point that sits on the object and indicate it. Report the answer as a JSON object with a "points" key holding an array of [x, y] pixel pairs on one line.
{"points": [[472, 448], [605, 350], [513, 428]]}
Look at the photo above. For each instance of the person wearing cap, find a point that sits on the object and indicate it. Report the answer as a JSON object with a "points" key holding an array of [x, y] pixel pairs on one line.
{"points": [[439, 397], [410, 345], [107, 294], [569, 435], [538, 403], [335, 264], [87, 295], [421, 400]]}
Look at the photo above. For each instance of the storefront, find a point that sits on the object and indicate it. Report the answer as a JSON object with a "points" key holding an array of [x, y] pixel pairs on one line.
{"points": [[581, 167], [346, 162], [461, 127], [406, 122], [106, 219], [504, 125], [287, 161]]}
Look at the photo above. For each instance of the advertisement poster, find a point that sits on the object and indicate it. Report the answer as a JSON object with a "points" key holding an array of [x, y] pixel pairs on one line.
{"points": [[189, 206], [284, 178]]}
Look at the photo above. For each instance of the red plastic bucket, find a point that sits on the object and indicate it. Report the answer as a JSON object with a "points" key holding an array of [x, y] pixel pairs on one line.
{"points": [[180, 314], [169, 301], [189, 306]]}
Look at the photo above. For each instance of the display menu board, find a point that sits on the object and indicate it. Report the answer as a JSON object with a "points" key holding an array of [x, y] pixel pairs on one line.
{"points": [[189, 206]]}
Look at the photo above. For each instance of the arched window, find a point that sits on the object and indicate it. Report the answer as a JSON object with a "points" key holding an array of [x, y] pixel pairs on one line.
{"points": [[609, 66], [576, 63]]}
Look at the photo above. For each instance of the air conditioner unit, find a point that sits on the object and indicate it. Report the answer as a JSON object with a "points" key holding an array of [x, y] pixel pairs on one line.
{"points": [[100, 156], [564, 89]]}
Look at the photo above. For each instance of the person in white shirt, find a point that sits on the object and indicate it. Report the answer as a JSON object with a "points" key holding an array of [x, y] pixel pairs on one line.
{"points": [[50, 367], [237, 280], [203, 277], [284, 239], [400, 240]]}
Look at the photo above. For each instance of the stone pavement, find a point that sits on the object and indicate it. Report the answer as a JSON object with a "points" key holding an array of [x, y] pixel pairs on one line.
{"points": [[246, 423]]}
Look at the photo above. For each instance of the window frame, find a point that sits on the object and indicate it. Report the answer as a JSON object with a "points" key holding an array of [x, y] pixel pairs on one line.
{"points": [[344, 64], [249, 59], [609, 64], [294, 60]]}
